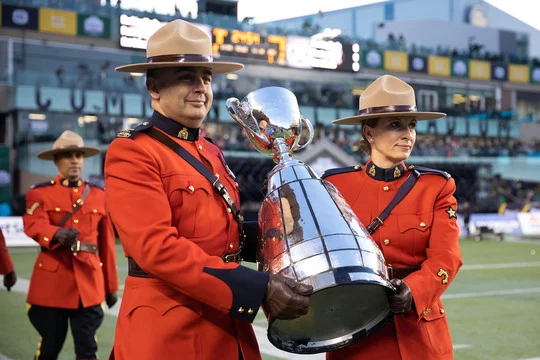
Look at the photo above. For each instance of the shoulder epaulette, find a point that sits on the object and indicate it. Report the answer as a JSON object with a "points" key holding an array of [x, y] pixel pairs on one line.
{"points": [[130, 133], [342, 170], [46, 183], [428, 171], [96, 183], [209, 139]]}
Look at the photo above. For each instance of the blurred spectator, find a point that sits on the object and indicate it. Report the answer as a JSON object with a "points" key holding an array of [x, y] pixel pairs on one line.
{"points": [[60, 75]]}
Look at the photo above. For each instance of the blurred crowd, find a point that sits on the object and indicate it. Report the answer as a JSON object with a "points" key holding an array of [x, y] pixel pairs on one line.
{"points": [[426, 145]]}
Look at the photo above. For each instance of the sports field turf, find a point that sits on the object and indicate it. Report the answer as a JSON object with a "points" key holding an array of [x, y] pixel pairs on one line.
{"points": [[493, 306]]}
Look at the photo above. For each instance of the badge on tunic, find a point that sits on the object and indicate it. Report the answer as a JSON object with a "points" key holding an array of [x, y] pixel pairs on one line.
{"points": [[451, 213], [32, 208], [372, 170], [444, 274], [183, 134], [397, 172], [124, 134]]}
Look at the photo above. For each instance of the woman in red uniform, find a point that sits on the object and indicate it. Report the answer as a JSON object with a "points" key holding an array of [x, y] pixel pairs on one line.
{"points": [[419, 237]]}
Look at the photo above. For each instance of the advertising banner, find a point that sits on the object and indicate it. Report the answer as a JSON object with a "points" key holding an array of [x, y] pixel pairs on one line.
{"points": [[498, 223], [93, 26], [13, 230], [396, 61], [535, 75], [311, 53], [479, 70], [20, 17], [439, 66], [372, 59], [418, 64], [58, 21], [530, 223], [499, 72], [519, 73], [460, 67]]}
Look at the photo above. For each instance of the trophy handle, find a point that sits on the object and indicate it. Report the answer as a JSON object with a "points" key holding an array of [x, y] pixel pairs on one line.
{"points": [[253, 131], [311, 133]]}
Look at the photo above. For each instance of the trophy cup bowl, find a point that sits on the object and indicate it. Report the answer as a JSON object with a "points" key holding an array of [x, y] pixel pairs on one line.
{"points": [[308, 232]]}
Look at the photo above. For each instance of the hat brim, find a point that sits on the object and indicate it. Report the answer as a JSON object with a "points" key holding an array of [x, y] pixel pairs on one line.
{"points": [[49, 154], [216, 68], [418, 115]]}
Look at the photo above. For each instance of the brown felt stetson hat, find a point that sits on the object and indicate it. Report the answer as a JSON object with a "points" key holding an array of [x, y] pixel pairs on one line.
{"points": [[180, 44], [388, 96], [68, 141]]}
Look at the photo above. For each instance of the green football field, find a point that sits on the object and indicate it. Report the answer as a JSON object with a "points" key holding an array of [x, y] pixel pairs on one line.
{"points": [[493, 306]]}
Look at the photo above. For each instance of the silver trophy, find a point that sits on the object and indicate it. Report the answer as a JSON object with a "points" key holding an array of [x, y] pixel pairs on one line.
{"points": [[310, 234]]}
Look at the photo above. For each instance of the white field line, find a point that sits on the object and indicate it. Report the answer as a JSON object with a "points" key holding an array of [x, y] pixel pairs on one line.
{"points": [[500, 266], [491, 293]]}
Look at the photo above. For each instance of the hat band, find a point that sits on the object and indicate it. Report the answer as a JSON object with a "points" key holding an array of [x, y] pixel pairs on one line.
{"points": [[387, 109], [181, 58]]}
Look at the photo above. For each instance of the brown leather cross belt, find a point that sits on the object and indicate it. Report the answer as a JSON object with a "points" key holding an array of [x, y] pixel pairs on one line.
{"points": [[78, 246], [401, 272]]}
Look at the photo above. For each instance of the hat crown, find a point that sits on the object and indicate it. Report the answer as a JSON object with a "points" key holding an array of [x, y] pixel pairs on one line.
{"points": [[68, 139], [387, 90], [179, 37]]}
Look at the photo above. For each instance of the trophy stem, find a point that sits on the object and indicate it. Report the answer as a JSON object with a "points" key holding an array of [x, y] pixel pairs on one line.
{"points": [[282, 151]]}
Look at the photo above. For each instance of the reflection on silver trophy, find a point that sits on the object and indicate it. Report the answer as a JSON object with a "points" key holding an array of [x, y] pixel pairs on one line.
{"points": [[309, 233]]}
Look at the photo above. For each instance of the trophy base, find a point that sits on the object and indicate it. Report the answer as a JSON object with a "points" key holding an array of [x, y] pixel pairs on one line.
{"points": [[338, 316]]}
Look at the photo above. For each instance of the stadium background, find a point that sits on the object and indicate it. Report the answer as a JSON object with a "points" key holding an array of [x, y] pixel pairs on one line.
{"points": [[463, 57]]}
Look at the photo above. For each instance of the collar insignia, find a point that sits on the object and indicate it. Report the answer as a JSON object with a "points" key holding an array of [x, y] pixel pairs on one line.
{"points": [[183, 134]]}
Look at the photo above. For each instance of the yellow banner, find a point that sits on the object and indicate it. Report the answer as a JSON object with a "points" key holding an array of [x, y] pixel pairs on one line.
{"points": [[480, 70], [519, 73], [58, 21], [439, 65], [396, 61]]}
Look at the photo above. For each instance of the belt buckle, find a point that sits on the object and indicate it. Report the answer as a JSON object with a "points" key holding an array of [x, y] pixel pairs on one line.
{"points": [[76, 247], [390, 271], [227, 258]]}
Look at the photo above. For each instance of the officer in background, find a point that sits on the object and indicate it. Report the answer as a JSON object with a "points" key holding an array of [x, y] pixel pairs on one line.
{"points": [[6, 265], [76, 268]]}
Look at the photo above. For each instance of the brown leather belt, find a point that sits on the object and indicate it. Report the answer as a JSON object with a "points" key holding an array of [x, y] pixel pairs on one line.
{"points": [[135, 270], [78, 246], [401, 272]]}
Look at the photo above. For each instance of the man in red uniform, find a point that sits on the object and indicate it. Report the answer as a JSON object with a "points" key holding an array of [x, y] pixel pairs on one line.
{"points": [[419, 236], [174, 203], [6, 265], [76, 268]]}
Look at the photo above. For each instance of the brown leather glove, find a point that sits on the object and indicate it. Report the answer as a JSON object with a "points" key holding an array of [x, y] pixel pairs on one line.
{"points": [[10, 280], [401, 302], [111, 299], [285, 298], [66, 237]]}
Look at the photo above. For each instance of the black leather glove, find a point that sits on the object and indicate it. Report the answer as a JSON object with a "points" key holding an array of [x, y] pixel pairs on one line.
{"points": [[285, 298], [111, 299], [401, 302], [66, 237], [10, 280]]}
